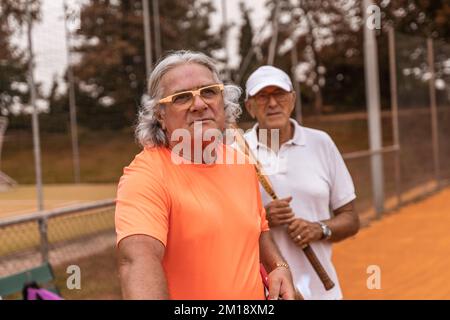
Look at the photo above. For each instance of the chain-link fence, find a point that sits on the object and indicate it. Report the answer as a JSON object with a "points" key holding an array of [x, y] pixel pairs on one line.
{"points": [[415, 125], [62, 237], [423, 76]]}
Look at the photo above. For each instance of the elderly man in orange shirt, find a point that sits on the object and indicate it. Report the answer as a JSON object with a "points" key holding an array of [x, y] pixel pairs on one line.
{"points": [[190, 229]]}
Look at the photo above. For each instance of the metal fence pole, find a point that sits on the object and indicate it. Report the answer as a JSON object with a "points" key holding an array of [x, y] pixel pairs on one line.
{"points": [[394, 113], [298, 102], [157, 30], [34, 115], [273, 42], [44, 239], [225, 30], [72, 103], [148, 37], [434, 114], [373, 111]]}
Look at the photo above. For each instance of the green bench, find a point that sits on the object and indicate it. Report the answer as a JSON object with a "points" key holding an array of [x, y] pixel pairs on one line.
{"points": [[42, 275]]}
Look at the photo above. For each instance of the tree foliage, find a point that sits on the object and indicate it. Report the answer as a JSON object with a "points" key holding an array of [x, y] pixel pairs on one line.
{"points": [[111, 71], [14, 90]]}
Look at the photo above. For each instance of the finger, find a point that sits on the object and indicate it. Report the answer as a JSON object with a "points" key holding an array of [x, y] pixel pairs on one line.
{"points": [[304, 241], [287, 221], [274, 288], [293, 225], [297, 238], [287, 291], [287, 199], [285, 216], [281, 211], [275, 204], [298, 229], [284, 201], [293, 229], [280, 205]]}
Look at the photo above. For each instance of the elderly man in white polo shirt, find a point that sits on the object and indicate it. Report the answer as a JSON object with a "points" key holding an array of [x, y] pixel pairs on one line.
{"points": [[308, 174]]}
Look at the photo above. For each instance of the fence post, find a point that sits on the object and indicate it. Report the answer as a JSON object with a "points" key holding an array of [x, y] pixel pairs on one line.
{"points": [[434, 114], [148, 38], [44, 239], [373, 111], [298, 98], [394, 113], [35, 114]]}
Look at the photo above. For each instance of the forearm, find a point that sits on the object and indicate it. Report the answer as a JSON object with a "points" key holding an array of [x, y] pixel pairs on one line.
{"points": [[269, 253], [344, 224], [143, 279]]}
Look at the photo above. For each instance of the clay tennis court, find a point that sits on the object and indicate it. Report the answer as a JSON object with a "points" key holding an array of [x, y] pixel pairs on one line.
{"points": [[411, 247], [22, 199]]}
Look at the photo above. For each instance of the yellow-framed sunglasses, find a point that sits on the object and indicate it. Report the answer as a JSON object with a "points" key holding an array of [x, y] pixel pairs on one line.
{"points": [[185, 98]]}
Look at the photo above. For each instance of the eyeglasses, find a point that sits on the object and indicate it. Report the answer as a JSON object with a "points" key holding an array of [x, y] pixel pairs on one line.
{"points": [[208, 94], [280, 96]]}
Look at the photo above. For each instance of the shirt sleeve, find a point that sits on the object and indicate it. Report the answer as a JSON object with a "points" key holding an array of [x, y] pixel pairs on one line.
{"points": [[342, 188], [143, 204]]}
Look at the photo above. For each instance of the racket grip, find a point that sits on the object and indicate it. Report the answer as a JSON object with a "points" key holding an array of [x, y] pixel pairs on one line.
{"points": [[320, 270]]}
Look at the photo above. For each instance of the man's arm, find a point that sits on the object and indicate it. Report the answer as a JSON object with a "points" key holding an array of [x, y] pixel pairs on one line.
{"points": [[140, 268], [344, 224], [280, 278]]}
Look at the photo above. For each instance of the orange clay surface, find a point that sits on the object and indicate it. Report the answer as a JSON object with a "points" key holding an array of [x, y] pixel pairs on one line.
{"points": [[410, 246], [22, 199]]}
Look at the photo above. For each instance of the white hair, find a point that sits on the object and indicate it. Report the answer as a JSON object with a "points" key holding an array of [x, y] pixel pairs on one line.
{"points": [[148, 130]]}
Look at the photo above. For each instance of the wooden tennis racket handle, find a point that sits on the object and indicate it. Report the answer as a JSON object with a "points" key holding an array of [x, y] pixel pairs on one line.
{"points": [[317, 266]]}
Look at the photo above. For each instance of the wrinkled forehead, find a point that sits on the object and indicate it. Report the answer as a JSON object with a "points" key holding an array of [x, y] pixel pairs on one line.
{"points": [[186, 76]]}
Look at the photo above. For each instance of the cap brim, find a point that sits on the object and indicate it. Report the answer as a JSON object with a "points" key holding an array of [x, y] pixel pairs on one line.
{"points": [[264, 84]]}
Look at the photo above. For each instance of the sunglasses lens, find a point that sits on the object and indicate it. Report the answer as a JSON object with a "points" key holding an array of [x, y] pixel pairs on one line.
{"points": [[279, 96], [182, 98], [210, 92]]}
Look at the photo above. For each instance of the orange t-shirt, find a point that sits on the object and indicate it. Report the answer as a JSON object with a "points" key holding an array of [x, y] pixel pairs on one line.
{"points": [[209, 218]]}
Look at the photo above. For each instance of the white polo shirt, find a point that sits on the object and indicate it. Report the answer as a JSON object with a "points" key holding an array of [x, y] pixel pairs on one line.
{"points": [[310, 168]]}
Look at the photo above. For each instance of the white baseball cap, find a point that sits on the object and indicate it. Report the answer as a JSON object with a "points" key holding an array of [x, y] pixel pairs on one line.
{"points": [[267, 76]]}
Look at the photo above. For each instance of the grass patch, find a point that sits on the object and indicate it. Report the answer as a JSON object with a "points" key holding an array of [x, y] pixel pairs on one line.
{"points": [[103, 155], [99, 278]]}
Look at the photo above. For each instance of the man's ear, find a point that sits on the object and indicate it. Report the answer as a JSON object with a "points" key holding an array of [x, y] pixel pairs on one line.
{"points": [[294, 101], [161, 117], [250, 105]]}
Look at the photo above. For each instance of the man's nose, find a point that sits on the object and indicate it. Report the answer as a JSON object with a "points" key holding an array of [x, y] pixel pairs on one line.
{"points": [[198, 103], [272, 101]]}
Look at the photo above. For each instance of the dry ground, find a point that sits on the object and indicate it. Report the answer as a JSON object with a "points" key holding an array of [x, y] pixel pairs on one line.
{"points": [[411, 247]]}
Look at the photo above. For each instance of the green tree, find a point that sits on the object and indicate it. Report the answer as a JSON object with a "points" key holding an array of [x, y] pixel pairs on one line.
{"points": [[14, 91], [248, 58], [246, 46], [418, 17], [111, 75], [322, 32]]}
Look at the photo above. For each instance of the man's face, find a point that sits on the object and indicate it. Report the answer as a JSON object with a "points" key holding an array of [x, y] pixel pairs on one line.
{"points": [[209, 113], [272, 107]]}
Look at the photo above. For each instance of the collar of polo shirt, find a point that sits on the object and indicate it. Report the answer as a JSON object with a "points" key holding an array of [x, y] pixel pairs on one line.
{"points": [[298, 139]]}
